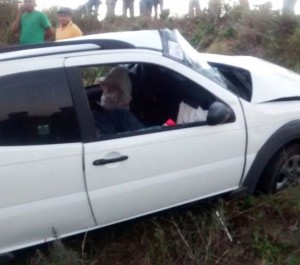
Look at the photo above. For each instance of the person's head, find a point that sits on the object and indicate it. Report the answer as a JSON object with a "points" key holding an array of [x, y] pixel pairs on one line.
{"points": [[120, 75], [64, 16], [29, 5], [112, 96]]}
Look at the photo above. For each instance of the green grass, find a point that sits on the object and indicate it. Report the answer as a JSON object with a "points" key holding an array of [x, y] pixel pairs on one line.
{"points": [[265, 231]]}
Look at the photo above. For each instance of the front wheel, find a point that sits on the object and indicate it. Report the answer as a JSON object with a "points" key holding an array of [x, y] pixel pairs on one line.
{"points": [[282, 171]]}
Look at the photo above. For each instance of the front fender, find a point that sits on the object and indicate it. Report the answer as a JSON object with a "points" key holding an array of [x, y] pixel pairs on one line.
{"points": [[283, 136]]}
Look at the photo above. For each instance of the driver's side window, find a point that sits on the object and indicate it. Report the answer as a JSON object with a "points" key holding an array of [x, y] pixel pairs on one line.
{"points": [[130, 99]]}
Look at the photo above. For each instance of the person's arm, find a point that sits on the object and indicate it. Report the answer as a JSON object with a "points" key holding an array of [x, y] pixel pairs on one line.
{"points": [[76, 31], [15, 26], [46, 25], [48, 34]]}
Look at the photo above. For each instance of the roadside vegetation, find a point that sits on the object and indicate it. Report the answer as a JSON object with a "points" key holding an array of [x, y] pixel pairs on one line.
{"points": [[223, 28], [257, 230]]}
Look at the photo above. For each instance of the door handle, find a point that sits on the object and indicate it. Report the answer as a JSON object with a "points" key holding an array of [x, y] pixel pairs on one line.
{"points": [[101, 162]]}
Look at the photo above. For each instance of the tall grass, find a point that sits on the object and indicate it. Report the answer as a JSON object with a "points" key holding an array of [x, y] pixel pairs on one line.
{"points": [[255, 231]]}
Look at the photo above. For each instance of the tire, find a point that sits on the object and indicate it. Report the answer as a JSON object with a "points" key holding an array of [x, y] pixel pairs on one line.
{"points": [[282, 171]]}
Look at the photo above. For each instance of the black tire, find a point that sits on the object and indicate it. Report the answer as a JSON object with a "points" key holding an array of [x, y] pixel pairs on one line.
{"points": [[282, 171]]}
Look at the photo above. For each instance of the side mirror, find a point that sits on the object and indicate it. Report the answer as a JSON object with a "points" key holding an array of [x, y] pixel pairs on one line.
{"points": [[219, 113]]}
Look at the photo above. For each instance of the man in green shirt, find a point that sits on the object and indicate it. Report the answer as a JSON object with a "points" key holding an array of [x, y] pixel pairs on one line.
{"points": [[33, 26]]}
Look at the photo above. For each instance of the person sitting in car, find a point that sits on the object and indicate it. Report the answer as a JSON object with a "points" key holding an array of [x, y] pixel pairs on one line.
{"points": [[119, 75], [114, 115]]}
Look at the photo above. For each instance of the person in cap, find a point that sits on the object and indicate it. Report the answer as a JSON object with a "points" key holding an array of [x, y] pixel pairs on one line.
{"points": [[120, 75], [33, 26], [67, 29], [113, 114]]}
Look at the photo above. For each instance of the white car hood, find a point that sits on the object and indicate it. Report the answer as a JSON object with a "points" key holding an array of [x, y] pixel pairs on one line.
{"points": [[269, 81]]}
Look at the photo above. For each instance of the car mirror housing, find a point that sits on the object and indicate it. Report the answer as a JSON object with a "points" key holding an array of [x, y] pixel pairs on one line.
{"points": [[219, 113]]}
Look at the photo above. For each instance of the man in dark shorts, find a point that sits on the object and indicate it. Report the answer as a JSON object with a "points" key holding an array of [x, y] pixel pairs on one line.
{"points": [[194, 8], [93, 7], [146, 7], [128, 5], [155, 5]]}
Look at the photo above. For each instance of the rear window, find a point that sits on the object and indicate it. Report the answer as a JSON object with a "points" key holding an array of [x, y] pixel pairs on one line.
{"points": [[36, 108]]}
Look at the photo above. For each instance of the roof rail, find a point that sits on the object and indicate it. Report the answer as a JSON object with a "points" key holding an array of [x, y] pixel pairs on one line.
{"points": [[101, 43], [50, 48]]}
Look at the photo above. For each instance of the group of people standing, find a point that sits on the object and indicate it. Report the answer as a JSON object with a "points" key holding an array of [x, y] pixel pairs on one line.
{"points": [[34, 26], [146, 7]]}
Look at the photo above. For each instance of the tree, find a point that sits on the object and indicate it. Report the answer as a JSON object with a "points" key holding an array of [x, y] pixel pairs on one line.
{"points": [[8, 9], [288, 7]]}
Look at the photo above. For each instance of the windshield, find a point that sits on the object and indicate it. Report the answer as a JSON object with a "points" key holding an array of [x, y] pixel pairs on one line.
{"points": [[177, 48]]}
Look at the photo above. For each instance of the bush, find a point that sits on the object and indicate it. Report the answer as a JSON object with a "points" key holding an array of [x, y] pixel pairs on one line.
{"points": [[7, 15]]}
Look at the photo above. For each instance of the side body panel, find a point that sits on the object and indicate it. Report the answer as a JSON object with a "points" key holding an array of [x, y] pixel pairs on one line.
{"points": [[42, 194]]}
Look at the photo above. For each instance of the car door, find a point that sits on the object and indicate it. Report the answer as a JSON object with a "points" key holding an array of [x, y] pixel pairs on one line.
{"points": [[42, 188], [154, 171]]}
